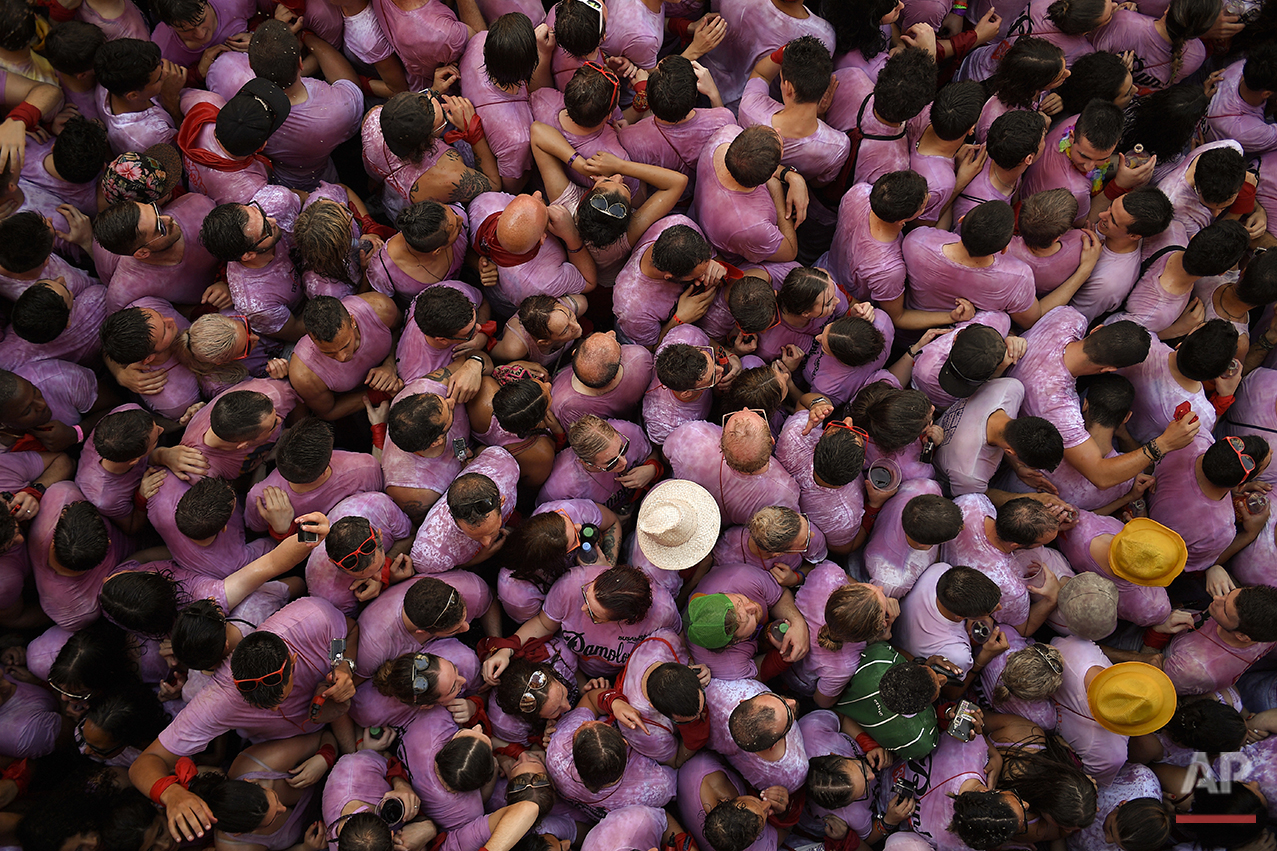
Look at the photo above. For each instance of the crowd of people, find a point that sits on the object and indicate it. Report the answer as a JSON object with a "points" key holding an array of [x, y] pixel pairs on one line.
{"points": [[638, 425]]}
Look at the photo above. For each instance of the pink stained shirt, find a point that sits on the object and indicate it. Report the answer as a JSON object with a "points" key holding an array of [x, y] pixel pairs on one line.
{"points": [[823, 736], [549, 273], [423, 38], [1054, 170], [408, 469], [1254, 412], [840, 382], [642, 304], [507, 117], [268, 295], [35, 170], [79, 343], [1230, 117], [1102, 752], [1158, 394], [77, 279], [790, 771], [1207, 525], [224, 555], [853, 106], [308, 626], [635, 31], [602, 649], [414, 356], [1111, 281], [693, 452], [548, 108], [422, 741], [1132, 783], [371, 708], [1190, 212], [622, 401], [742, 225], [1133, 31], [662, 412], [1050, 391], [1142, 605], [440, 544], [838, 510], [661, 741], [323, 577], [232, 18], [938, 777], [182, 388], [130, 23], [635, 825], [1050, 272], [351, 473], [382, 634], [923, 631], [1149, 303], [375, 342], [1200, 661], [691, 808], [570, 480], [935, 280], [69, 389], [386, 277], [890, 561], [398, 175], [644, 782], [942, 178], [674, 146], [817, 157], [864, 267], [931, 358], [182, 283], [736, 661], [136, 131], [223, 187], [228, 463], [30, 721], [966, 457], [973, 549], [358, 776], [979, 190], [1041, 712], [521, 598], [112, 494], [821, 670], [757, 27]]}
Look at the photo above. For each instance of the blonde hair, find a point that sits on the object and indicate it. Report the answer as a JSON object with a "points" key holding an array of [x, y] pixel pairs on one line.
{"points": [[1034, 673], [852, 613], [589, 436], [208, 347]]}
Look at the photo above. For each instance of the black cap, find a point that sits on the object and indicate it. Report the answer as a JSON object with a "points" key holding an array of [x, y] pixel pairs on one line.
{"points": [[977, 352], [248, 119]]}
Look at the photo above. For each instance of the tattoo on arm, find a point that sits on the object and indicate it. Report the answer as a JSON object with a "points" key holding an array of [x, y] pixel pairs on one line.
{"points": [[442, 374], [611, 546], [468, 186]]}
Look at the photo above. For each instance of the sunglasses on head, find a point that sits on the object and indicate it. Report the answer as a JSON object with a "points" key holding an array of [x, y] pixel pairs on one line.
{"points": [[616, 211], [839, 425], [1239, 449], [274, 678], [536, 682], [759, 411], [420, 666], [528, 781], [444, 610]]}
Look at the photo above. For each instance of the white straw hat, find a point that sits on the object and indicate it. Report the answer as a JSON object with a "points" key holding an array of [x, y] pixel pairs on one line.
{"points": [[677, 524]]}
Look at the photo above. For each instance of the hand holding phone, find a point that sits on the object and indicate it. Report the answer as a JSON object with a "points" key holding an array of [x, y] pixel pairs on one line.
{"points": [[306, 535]]}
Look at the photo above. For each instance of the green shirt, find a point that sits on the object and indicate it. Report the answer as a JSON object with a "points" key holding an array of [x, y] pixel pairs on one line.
{"points": [[907, 736]]}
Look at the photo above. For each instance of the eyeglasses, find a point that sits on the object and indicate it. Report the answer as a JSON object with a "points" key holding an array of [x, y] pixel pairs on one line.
{"points": [[444, 610], [1238, 446], [248, 338], [758, 411], [367, 548], [536, 682], [610, 465], [68, 695], [616, 211], [597, 6], [159, 220], [807, 543], [574, 540], [274, 678], [835, 425], [863, 767], [528, 781], [82, 742], [710, 353], [789, 711], [420, 665], [267, 230], [607, 73], [469, 335], [594, 619]]}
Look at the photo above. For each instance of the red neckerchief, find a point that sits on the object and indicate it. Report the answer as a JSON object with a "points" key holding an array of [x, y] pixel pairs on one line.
{"points": [[200, 115], [487, 245]]}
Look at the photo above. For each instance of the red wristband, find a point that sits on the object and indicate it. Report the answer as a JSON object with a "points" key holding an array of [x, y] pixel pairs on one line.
{"points": [[513, 750], [379, 435], [33, 491], [27, 113], [1112, 191], [867, 742], [607, 697], [161, 786], [329, 753], [139, 501], [385, 574], [291, 530], [1156, 640], [395, 768]]}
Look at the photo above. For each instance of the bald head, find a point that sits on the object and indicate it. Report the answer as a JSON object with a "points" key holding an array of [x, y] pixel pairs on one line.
{"points": [[597, 360], [746, 442], [522, 224]]}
